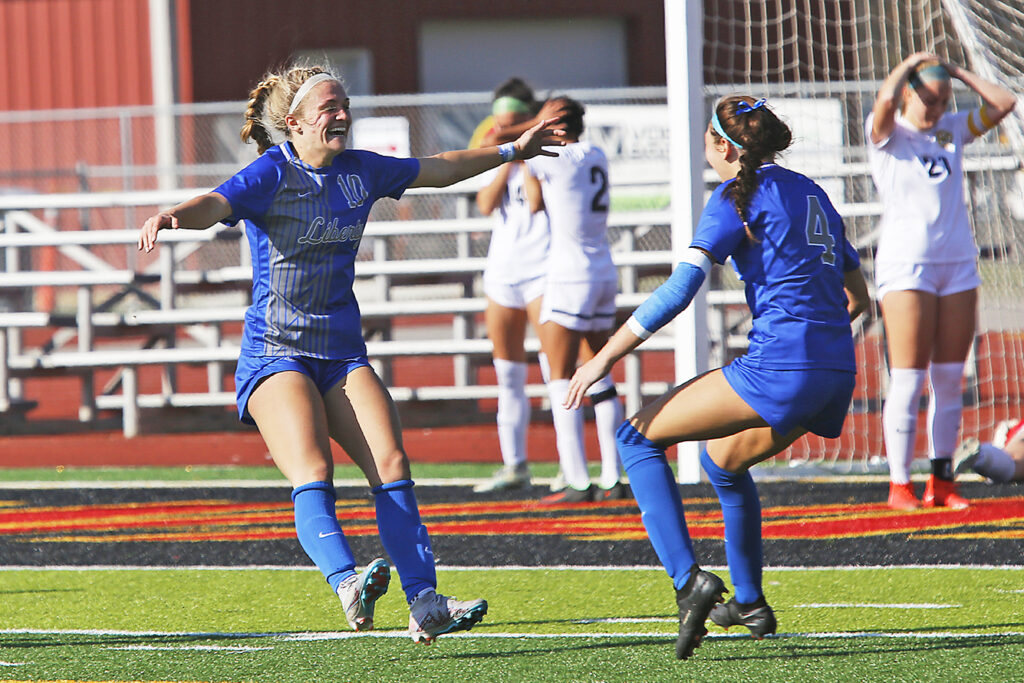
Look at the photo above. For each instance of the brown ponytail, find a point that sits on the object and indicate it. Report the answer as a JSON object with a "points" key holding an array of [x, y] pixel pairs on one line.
{"points": [[762, 136]]}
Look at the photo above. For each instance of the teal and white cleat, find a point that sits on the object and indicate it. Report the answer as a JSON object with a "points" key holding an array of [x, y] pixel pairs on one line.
{"points": [[359, 592], [433, 614]]}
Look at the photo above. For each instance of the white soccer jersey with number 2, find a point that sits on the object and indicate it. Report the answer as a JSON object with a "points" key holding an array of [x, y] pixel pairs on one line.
{"points": [[575, 187]]}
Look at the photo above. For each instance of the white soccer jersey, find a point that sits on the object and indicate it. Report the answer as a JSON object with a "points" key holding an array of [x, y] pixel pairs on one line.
{"points": [[575, 187], [519, 239], [920, 179]]}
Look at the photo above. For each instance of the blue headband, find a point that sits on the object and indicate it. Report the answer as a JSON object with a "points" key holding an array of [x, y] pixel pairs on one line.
{"points": [[932, 72], [717, 126], [741, 108]]}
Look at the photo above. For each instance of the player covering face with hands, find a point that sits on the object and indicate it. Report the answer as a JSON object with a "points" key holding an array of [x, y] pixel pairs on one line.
{"points": [[926, 268], [303, 377], [804, 286]]}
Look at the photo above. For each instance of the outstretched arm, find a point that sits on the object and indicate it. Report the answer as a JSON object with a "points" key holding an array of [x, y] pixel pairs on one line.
{"points": [[197, 213], [448, 168], [552, 109]]}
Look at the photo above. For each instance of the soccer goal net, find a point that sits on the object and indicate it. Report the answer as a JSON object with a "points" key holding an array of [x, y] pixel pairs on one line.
{"points": [[821, 62]]}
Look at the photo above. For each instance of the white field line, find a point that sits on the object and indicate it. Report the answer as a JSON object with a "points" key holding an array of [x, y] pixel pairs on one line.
{"points": [[872, 605], [203, 648], [489, 568], [348, 635]]}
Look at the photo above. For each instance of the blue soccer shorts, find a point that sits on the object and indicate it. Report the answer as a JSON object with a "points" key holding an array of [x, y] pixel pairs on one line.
{"points": [[325, 373], [815, 399]]}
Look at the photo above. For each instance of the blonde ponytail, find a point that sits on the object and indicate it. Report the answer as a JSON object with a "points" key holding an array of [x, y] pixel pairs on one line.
{"points": [[269, 101]]}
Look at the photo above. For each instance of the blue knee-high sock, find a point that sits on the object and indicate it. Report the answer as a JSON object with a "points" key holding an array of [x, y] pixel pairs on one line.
{"points": [[661, 508], [741, 511], [320, 535], [404, 536]]}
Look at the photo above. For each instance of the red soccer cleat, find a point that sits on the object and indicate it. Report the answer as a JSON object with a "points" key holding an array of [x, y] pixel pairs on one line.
{"points": [[901, 497], [941, 493]]}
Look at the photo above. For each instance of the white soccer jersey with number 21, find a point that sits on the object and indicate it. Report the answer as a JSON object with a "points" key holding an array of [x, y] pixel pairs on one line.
{"points": [[919, 176]]}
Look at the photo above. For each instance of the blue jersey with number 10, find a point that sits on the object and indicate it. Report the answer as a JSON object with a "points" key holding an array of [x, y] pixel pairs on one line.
{"points": [[304, 225], [793, 273]]}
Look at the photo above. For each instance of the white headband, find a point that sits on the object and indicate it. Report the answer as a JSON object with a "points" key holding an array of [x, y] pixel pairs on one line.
{"points": [[306, 87]]}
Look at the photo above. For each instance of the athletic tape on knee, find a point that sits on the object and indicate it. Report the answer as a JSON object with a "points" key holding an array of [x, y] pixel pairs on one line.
{"points": [[602, 390]]}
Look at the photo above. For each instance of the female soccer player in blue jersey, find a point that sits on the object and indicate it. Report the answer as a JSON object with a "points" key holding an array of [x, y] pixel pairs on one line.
{"points": [[303, 377], [803, 286]]}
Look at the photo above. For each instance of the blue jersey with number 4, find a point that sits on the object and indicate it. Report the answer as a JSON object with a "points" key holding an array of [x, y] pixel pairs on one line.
{"points": [[304, 225], [793, 273]]}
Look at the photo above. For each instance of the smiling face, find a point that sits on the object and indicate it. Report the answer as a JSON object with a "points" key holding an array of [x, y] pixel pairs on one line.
{"points": [[925, 104], [320, 127]]}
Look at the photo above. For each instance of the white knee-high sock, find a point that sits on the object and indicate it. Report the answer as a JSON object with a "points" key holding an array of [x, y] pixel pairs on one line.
{"points": [[569, 436], [945, 408], [994, 463], [513, 410], [608, 415], [899, 420], [545, 367]]}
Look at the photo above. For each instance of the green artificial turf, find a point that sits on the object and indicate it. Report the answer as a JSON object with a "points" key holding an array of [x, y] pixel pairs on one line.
{"points": [[873, 624]]}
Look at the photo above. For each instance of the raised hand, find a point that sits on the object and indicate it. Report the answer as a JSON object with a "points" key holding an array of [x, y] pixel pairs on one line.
{"points": [[532, 142]]}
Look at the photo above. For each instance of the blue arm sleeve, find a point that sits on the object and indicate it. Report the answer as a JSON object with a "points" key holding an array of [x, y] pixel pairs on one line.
{"points": [[667, 301]]}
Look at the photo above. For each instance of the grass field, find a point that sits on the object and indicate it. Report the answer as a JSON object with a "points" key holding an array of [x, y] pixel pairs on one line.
{"points": [[558, 624], [580, 624]]}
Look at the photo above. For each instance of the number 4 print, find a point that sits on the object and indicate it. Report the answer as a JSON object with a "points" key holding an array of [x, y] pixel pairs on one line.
{"points": [[817, 230]]}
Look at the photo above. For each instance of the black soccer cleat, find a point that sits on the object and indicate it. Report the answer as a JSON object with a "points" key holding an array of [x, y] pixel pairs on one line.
{"points": [[703, 590], [757, 616]]}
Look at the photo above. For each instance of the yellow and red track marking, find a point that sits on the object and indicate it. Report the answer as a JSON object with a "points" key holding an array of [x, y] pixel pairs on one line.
{"points": [[222, 520]]}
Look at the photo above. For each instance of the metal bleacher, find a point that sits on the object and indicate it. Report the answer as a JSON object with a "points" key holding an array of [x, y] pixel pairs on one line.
{"points": [[166, 328]]}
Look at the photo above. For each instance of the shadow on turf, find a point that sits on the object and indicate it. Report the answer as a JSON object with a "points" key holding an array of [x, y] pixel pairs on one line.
{"points": [[583, 646], [710, 649], [39, 640], [822, 649]]}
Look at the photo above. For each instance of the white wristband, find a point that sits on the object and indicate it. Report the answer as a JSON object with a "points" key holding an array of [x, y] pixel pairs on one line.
{"points": [[636, 328], [507, 151]]}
